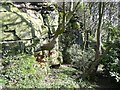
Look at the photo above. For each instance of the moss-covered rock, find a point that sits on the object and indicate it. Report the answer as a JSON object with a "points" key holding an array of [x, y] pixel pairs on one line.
{"points": [[25, 26], [29, 28]]}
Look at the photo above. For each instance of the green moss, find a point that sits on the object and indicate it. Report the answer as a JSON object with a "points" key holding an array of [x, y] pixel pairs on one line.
{"points": [[20, 71], [76, 25]]}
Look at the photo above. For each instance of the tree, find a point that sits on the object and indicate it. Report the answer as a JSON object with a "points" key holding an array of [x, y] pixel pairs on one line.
{"points": [[95, 64]]}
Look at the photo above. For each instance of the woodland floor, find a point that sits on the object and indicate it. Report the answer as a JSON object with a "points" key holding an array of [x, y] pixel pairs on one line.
{"points": [[69, 77], [102, 81], [106, 81]]}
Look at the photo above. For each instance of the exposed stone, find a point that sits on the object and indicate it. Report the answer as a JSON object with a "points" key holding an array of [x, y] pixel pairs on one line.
{"points": [[30, 28]]}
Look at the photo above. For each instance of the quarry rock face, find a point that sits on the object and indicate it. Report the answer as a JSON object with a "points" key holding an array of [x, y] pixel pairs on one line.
{"points": [[25, 29]]}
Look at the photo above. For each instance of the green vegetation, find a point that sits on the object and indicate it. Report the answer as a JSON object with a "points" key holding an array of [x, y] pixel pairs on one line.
{"points": [[59, 45], [24, 72], [111, 60]]}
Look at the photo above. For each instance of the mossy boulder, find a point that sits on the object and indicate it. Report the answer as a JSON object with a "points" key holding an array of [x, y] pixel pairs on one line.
{"points": [[19, 24]]}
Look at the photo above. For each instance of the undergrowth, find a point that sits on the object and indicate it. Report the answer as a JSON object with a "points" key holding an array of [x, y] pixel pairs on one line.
{"points": [[22, 71]]}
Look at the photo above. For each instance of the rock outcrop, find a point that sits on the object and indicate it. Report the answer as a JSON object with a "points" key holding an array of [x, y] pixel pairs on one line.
{"points": [[27, 27]]}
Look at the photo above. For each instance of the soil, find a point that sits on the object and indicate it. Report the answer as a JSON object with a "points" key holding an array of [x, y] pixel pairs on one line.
{"points": [[106, 81], [103, 80]]}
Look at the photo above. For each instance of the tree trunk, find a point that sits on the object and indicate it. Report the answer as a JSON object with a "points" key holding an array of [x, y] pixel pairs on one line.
{"points": [[71, 5], [85, 32], [91, 71]]}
